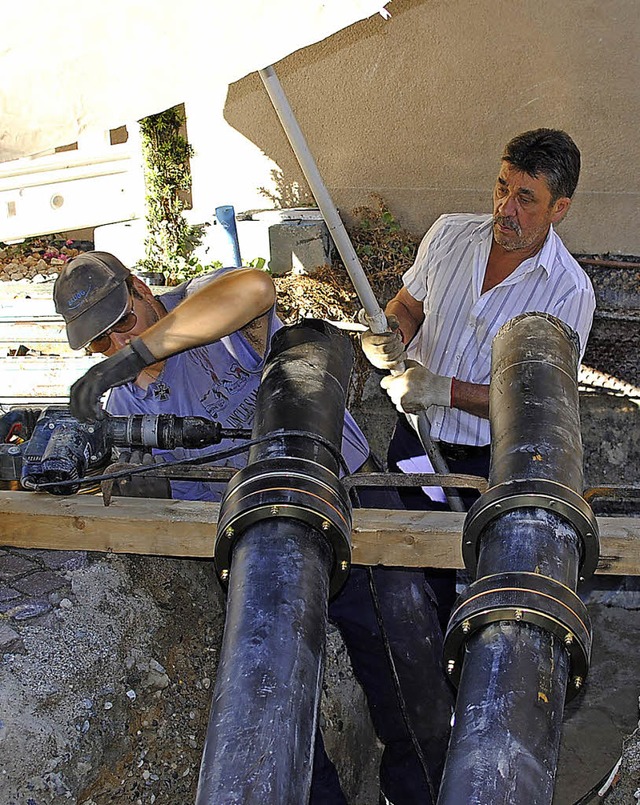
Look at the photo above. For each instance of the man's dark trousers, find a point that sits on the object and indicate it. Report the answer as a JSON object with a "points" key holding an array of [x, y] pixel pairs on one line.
{"points": [[460, 459], [410, 620]]}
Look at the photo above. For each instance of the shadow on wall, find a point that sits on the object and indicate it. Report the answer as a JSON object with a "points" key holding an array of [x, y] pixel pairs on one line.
{"points": [[418, 107]]}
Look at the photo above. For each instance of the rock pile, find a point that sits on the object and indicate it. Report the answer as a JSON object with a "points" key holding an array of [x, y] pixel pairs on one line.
{"points": [[36, 260], [107, 668]]}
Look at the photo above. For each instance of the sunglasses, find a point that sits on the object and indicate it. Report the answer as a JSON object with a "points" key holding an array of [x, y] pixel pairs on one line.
{"points": [[123, 325]]}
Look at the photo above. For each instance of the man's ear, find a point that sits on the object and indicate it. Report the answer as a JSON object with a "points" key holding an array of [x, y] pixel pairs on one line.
{"points": [[560, 209]]}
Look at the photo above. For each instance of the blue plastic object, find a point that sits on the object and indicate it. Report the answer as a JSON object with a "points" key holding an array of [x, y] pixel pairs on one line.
{"points": [[226, 217]]}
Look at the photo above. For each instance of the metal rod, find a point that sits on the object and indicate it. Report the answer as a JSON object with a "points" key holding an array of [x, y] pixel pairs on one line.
{"points": [[378, 321], [375, 315]]}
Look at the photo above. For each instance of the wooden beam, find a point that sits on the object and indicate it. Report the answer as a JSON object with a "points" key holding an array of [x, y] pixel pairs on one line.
{"points": [[406, 538], [433, 539], [128, 525], [187, 528]]}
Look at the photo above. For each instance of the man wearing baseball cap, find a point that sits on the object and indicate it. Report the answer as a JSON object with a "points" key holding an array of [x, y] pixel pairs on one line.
{"points": [[199, 350], [92, 295]]}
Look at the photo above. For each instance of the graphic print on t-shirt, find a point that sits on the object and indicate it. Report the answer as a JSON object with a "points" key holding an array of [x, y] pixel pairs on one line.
{"points": [[227, 394]]}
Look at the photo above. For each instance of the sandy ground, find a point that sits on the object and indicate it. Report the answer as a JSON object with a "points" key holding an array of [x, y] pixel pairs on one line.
{"points": [[598, 721]]}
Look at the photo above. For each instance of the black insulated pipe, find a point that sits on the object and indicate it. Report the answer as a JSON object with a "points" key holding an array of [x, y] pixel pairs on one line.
{"points": [[519, 639], [282, 544]]}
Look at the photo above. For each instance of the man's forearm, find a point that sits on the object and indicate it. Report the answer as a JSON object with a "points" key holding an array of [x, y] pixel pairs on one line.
{"points": [[470, 397], [223, 306], [408, 311]]}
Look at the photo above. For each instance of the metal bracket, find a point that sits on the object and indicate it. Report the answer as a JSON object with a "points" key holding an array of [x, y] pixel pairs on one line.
{"points": [[415, 479], [542, 494], [524, 598], [286, 487]]}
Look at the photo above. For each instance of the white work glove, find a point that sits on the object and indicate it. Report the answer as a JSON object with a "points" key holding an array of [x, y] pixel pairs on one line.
{"points": [[417, 388], [383, 350]]}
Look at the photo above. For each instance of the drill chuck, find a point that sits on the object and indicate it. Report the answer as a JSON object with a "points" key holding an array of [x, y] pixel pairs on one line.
{"points": [[164, 431]]}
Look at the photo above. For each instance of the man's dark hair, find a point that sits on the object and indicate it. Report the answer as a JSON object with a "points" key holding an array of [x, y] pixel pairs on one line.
{"points": [[550, 153]]}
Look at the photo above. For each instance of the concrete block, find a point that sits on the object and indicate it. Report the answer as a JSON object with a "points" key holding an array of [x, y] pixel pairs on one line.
{"points": [[298, 246]]}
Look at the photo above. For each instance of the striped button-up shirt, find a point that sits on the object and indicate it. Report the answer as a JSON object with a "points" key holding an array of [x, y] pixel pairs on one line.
{"points": [[460, 322]]}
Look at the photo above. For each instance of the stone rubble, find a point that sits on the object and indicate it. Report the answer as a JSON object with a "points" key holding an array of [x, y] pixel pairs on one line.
{"points": [[38, 260], [105, 684]]}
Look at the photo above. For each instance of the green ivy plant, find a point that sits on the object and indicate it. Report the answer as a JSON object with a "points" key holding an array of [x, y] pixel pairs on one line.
{"points": [[171, 240]]}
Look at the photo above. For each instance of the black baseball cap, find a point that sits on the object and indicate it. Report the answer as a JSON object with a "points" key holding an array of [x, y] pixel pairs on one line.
{"points": [[91, 294]]}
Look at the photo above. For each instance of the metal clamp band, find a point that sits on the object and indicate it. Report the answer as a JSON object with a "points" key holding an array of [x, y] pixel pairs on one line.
{"points": [[286, 487], [523, 598], [542, 494]]}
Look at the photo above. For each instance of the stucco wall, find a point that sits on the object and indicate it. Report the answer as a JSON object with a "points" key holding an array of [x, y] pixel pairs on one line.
{"points": [[417, 108]]}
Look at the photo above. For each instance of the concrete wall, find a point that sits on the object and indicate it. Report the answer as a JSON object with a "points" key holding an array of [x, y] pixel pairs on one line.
{"points": [[417, 108]]}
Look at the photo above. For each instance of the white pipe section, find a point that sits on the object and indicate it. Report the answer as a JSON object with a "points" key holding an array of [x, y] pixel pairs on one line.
{"points": [[374, 314]]}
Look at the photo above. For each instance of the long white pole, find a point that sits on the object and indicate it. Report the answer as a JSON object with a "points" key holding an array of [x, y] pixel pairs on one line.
{"points": [[374, 313]]}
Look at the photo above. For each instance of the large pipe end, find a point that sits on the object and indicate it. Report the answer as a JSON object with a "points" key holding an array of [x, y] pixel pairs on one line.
{"points": [[533, 402]]}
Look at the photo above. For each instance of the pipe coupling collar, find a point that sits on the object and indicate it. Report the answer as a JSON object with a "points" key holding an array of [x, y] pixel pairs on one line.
{"points": [[542, 494], [523, 598], [296, 488]]}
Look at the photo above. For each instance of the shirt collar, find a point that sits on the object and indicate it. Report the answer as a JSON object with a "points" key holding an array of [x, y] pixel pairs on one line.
{"points": [[484, 229], [547, 254]]}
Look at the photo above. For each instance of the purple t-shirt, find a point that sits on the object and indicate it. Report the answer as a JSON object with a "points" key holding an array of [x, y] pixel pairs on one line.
{"points": [[218, 381]]}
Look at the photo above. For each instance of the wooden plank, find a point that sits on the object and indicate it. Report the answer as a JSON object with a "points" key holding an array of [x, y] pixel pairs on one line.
{"points": [[129, 525], [433, 539], [407, 538], [187, 528], [47, 336]]}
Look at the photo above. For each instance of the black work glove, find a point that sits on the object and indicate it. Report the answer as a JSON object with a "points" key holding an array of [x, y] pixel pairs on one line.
{"points": [[117, 370], [141, 485], [136, 486]]}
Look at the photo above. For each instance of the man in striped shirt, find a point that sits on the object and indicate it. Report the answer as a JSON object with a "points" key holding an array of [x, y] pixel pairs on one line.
{"points": [[472, 274]]}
